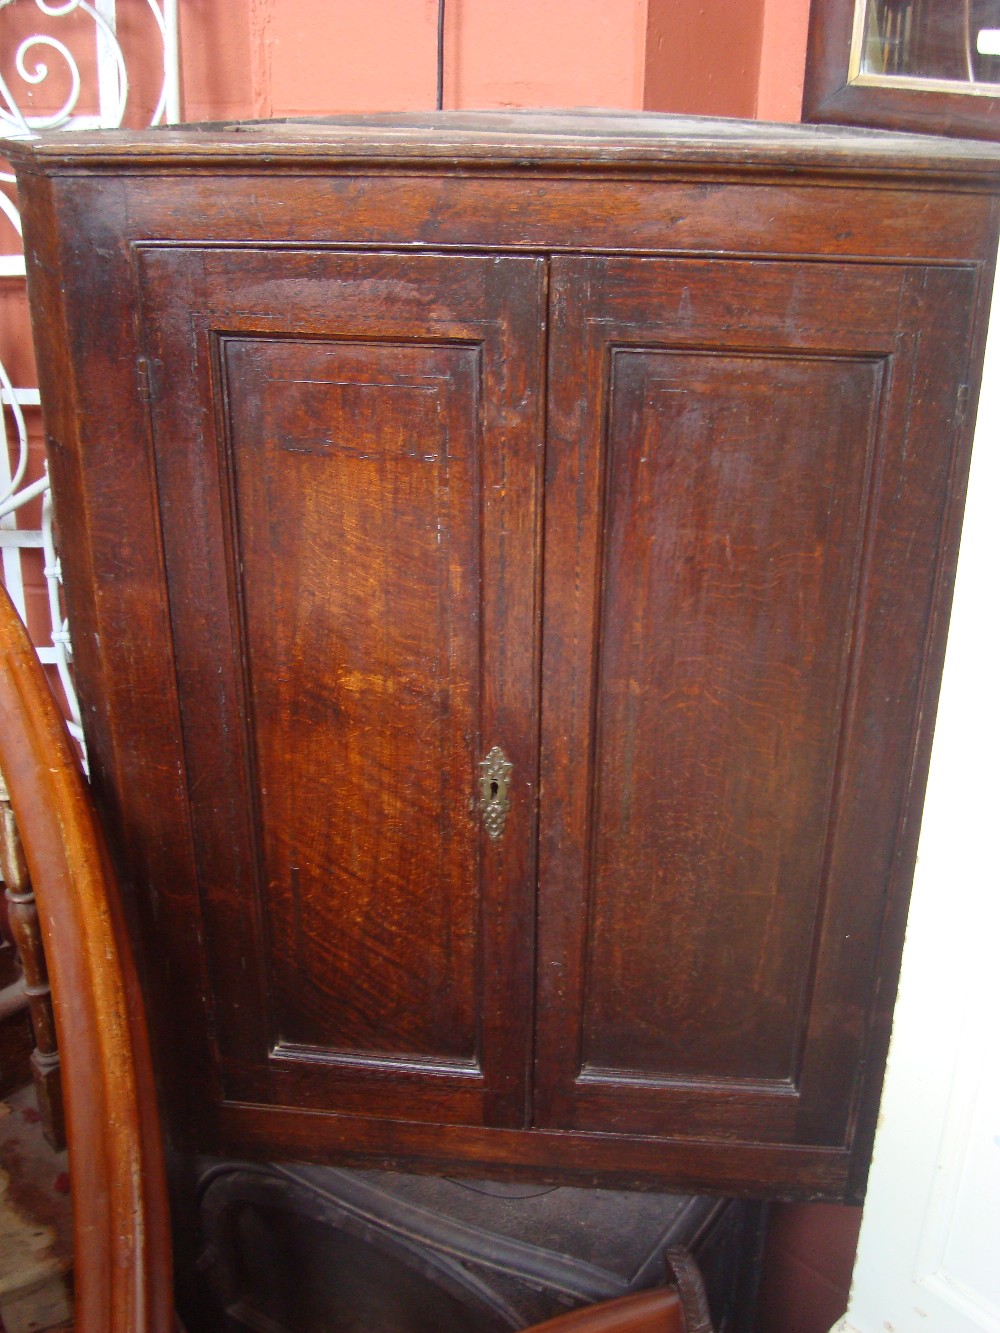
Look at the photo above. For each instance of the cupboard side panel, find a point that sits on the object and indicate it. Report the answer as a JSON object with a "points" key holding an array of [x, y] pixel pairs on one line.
{"points": [[110, 544]]}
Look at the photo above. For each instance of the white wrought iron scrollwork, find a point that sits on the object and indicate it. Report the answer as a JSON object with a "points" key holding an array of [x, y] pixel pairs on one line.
{"points": [[35, 59], [32, 68]]}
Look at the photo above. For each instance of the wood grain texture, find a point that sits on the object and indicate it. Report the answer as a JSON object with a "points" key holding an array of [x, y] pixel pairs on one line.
{"points": [[376, 430], [121, 1226], [820, 218], [122, 1257], [605, 142], [298, 464], [708, 551]]}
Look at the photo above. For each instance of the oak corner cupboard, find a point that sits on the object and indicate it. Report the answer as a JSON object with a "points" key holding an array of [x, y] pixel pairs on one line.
{"points": [[509, 559]]}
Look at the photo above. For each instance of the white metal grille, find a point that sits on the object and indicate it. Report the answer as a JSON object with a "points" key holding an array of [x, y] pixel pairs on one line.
{"points": [[93, 92]]}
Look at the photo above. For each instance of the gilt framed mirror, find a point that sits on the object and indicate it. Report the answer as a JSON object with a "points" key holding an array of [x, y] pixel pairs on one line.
{"points": [[927, 65]]}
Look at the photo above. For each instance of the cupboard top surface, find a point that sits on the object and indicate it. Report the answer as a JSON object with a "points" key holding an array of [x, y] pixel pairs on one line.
{"points": [[598, 141]]}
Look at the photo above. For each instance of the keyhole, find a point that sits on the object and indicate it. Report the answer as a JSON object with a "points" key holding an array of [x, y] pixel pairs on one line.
{"points": [[494, 787]]}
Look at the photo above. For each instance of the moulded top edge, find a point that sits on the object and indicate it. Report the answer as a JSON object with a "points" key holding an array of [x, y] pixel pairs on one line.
{"points": [[589, 139]]}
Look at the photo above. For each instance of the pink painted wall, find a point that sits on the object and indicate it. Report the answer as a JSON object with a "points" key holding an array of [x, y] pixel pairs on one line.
{"points": [[217, 67], [295, 57], [782, 60], [299, 57], [717, 58], [703, 58], [517, 53], [379, 53]]}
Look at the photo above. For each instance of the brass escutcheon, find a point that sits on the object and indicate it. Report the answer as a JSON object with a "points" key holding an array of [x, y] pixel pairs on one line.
{"points": [[494, 781]]}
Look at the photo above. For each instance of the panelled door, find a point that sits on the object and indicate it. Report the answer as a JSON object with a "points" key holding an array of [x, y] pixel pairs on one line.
{"points": [[346, 451], [727, 705], [348, 455]]}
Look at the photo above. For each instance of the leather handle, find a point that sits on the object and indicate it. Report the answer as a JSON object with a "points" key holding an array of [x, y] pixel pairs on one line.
{"points": [[684, 1273]]}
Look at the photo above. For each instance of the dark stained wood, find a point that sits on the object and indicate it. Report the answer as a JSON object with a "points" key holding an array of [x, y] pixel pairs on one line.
{"points": [[603, 142], [389, 407], [891, 217], [17, 1040], [298, 464], [22, 919], [16, 1037], [121, 1230], [724, 587], [122, 1254]]}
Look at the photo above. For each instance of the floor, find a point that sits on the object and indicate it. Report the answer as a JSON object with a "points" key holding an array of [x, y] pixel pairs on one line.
{"points": [[35, 1223]]}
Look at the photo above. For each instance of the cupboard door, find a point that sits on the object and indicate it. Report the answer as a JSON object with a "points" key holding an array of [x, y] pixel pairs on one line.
{"points": [[742, 519], [346, 450]]}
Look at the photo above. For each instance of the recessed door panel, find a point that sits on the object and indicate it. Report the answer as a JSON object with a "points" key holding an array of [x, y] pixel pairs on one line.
{"points": [[721, 666], [359, 540]]}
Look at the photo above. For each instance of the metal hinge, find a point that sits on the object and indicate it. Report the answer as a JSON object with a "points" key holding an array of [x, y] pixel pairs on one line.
{"points": [[962, 405], [143, 379]]}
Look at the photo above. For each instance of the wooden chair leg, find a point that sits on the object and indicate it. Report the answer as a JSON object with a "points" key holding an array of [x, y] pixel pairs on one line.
{"points": [[22, 916]]}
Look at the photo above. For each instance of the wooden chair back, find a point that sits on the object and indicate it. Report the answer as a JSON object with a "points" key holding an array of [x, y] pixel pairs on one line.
{"points": [[120, 1210]]}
